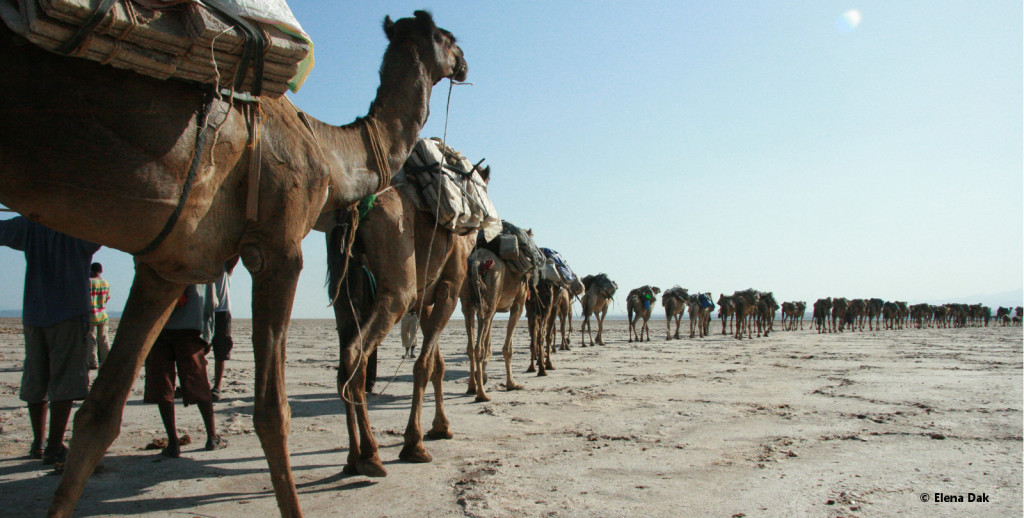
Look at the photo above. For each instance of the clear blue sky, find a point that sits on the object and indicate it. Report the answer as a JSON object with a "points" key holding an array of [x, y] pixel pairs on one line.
{"points": [[717, 145]]}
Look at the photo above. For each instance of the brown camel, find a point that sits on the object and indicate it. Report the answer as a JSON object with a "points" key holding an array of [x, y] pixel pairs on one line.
{"points": [[491, 287], [563, 310], [822, 310], [419, 272], [839, 307], [874, 313], [700, 313], [139, 136], [675, 300], [855, 314], [540, 314], [745, 303], [726, 309], [793, 312], [765, 317], [1002, 312], [638, 306], [599, 290]]}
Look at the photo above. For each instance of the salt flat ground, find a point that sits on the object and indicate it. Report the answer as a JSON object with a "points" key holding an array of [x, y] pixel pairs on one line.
{"points": [[795, 424]]}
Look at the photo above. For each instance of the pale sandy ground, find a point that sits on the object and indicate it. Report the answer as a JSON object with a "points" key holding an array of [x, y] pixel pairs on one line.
{"points": [[797, 424]]}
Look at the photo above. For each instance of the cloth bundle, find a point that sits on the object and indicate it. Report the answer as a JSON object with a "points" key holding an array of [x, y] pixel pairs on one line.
{"points": [[556, 270], [442, 182], [523, 257]]}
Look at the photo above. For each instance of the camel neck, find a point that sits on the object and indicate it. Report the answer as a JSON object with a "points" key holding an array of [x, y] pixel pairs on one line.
{"points": [[402, 104]]}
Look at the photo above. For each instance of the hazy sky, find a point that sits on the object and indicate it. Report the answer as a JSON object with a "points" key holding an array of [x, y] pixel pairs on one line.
{"points": [[718, 145]]}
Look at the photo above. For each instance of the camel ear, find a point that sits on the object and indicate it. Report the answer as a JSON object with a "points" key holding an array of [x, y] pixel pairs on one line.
{"points": [[426, 21], [485, 173], [656, 289], [389, 27]]}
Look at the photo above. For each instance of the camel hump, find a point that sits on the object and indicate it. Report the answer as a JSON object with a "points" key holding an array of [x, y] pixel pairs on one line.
{"points": [[195, 42]]}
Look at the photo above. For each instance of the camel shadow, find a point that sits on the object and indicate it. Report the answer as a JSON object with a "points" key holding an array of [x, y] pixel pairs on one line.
{"points": [[121, 482]]}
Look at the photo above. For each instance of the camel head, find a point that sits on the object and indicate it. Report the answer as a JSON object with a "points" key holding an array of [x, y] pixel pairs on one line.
{"points": [[434, 47]]}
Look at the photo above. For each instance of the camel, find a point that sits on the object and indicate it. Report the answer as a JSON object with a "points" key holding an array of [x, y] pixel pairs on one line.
{"points": [[700, 313], [417, 268], [855, 314], [134, 194], [822, 309], [599, 290], [491, 287], [794, 313], [839, 307], [890, 312], [726, 309], [675, 300], [745, 303], [563, 310], [765, 315], [874, 313], [1002, 312], [638, 306], [540, 313]]}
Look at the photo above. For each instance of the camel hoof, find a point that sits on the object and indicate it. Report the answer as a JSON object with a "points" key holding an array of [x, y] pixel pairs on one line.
{"points": [[482, 398], [350, 469], [542, 373], [549, 366], [471, 390], [531, 369], [513, 386], [414, 453], [373, 468], [437, 435]]}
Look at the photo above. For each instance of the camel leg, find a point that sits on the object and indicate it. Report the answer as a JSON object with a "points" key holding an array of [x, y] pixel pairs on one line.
{"points": [[98, 422], [273, 292], [531, 324], [549, 337], [600, 326], [561, 319], [481, 349], [585, 324], [470, 323], [506, 351], [430, 367]]}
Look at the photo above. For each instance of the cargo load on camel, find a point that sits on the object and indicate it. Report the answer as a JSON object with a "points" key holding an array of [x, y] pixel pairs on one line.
{"points": [[677, 293], [246, 46], [600, 282], [555, 269], [516, 247], [442, 182]]}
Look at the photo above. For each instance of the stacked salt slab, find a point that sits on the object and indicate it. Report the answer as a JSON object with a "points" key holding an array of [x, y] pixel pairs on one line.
{"points": [[183, 41]]}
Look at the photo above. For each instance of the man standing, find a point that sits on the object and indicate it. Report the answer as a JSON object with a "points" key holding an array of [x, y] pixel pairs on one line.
{"points": [[99, 295], [55, 316], [180, 350]]}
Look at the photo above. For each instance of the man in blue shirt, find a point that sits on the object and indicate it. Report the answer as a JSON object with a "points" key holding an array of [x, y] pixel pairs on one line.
{"points": [[55, 316]]}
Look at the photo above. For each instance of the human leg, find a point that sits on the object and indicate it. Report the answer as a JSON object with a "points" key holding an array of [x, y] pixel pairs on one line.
{"points": [[37, 416], [90, 343], [173, 449], [102, 342]]}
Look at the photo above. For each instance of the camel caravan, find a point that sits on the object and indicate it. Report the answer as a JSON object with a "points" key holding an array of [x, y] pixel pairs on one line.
{"points": [[222, 166]]}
